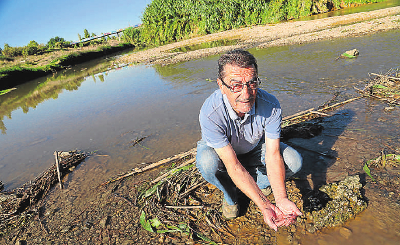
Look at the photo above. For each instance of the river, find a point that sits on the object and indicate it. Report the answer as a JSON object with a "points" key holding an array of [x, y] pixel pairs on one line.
{"points": [[94, 108]]}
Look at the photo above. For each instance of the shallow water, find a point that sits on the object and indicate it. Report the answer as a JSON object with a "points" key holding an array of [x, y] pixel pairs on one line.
{"points": [[106, 111]]}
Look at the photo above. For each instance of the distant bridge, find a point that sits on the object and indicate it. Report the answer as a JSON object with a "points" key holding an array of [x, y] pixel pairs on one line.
{"points": [[103, 35]]}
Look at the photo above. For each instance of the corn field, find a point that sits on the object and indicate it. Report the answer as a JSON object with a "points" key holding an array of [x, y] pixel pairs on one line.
{"points": [[166, 21]]}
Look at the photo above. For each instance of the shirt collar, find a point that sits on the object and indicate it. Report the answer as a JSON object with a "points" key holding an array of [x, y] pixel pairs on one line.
{"points": [[232, 112]]}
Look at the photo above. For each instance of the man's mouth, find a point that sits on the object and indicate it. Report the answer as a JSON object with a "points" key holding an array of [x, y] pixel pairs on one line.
{"points": [[245, 101]]}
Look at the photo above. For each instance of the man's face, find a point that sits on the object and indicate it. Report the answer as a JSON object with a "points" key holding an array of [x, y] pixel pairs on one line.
{"points": [[244, 100]]}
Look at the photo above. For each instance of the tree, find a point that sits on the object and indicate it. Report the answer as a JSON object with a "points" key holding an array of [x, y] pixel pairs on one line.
{"points": [[86, 33], [79, 37], [56, 42], [31, 48]]}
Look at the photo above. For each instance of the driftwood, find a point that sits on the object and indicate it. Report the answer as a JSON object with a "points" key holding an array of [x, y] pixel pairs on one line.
{"points": [[30, 193], [153, 165]]}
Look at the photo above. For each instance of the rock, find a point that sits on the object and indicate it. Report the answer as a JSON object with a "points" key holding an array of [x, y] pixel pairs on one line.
{"points": [[345, 232], [1, 186], [350, 54], [353, 52]]}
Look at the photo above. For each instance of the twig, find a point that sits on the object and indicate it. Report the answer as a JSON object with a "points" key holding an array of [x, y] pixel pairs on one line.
{"points": [[58, 169], [137, 141], [340, 103], [192, 188], [389, 77], [297, 114], [153, 165], [169, 172], [184, 207], [319, 113]]}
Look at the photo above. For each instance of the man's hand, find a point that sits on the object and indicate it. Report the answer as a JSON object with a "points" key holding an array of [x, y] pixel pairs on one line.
{"points": [[273, 216], [284, 214], [289, 209]]}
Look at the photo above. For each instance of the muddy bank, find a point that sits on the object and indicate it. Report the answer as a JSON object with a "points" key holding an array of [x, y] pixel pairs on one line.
{"points": [[16, 75], [287, 33]]}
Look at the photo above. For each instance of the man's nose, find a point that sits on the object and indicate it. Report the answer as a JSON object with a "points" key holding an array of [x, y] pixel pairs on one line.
{"points": [[246, 92]]}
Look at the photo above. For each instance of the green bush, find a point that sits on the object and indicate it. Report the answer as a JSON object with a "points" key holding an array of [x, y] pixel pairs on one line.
{"points": [[30, 49], [9, 51]]}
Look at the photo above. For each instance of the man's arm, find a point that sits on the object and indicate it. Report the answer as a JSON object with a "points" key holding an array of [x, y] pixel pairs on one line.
{"points": [[276, 176], [243, 180]]}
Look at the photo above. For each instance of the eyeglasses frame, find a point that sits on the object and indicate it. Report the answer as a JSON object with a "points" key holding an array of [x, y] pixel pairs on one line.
{"points": [[244, 84]]}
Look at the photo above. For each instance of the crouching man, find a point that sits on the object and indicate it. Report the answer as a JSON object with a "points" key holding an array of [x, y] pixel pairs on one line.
{"points": [[240, 147]]}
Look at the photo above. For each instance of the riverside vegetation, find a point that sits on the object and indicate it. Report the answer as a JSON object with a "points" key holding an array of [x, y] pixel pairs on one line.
{"points": [[164, 22]]}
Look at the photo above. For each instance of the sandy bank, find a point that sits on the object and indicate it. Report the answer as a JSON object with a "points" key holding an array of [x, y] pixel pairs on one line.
{"points": [[293, 32]]}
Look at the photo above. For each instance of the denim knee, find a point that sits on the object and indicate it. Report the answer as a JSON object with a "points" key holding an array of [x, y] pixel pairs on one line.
{"points": [[292, 159], [207, 160]]}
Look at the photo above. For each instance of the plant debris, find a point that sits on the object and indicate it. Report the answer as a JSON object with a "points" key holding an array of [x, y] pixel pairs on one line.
{"points": [[385, 87], [15, 204]]}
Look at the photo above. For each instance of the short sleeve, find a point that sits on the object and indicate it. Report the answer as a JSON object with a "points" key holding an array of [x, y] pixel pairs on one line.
{"points": [[212, 132], [273, 126]]}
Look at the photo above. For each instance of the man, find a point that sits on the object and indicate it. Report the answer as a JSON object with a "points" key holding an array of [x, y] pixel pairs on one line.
{"points": [[240, 147]]}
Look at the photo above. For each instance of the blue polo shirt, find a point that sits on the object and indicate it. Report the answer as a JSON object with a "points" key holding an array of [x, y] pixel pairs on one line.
{"points": [[221, 125]]}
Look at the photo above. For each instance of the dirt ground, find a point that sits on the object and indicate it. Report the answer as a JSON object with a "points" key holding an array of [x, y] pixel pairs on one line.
{"points": [[84, 213]]}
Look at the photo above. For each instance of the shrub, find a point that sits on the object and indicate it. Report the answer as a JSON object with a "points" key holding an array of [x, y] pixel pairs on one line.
{"points": [[9, 51]]}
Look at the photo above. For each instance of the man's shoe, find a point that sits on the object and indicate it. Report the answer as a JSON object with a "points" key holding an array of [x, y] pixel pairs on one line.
{"points": [[267, 191], [229, 211]]}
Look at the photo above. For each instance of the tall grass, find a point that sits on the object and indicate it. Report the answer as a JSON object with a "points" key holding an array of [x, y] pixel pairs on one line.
{"points": [[166, 21]]}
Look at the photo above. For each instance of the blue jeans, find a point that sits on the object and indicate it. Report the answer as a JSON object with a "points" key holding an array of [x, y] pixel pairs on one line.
{"points": [[213, 170]]}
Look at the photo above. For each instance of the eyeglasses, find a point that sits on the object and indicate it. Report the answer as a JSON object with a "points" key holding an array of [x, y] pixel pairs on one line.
{"points": [[238, 87]]}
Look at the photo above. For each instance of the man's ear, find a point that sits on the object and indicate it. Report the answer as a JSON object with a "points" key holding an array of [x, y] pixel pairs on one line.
{"points": [[220, 85]]}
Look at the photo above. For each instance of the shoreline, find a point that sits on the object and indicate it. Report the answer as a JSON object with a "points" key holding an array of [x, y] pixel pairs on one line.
{"points": [[286, 33]]}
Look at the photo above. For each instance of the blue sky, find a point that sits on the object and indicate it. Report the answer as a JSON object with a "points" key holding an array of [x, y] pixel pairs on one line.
{"points": [[24, 20]]}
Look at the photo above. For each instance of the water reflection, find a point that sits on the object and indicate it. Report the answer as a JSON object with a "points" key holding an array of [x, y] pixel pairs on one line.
{"points": [[30, 95]]}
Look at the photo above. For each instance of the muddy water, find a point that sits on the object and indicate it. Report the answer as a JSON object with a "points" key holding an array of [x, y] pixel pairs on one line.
{"points": [[106, 111]]}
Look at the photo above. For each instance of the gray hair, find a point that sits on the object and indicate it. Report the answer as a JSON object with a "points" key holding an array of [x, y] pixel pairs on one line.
{"points": [[236, 57]]}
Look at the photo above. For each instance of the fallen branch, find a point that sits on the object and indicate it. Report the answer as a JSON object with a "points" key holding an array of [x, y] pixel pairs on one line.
{"points": [[298, 114], [338, 104], [184, 207], [152, 166], [192, 188], [33, 191], [172, 170], [385, 76], [319, 113], [58, 169]]}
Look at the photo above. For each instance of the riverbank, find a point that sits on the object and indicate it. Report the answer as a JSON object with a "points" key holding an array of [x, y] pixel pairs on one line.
{"points": [[15, 71], [287, 33]]}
